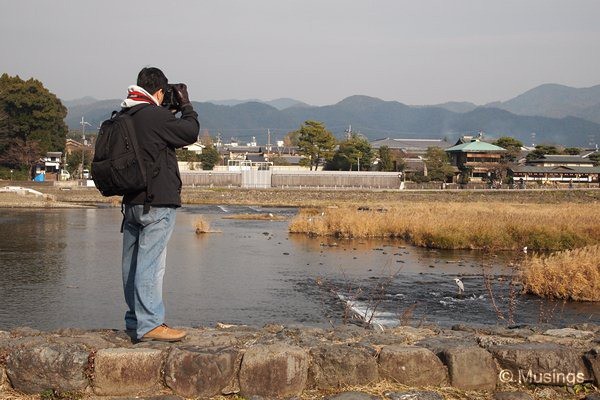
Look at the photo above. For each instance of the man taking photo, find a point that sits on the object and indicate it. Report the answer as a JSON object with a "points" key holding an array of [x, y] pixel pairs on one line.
{"points": [[149, 215]]}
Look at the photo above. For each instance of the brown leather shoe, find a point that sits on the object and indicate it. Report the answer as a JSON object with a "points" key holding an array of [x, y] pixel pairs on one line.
{"points": [[164, 334]]}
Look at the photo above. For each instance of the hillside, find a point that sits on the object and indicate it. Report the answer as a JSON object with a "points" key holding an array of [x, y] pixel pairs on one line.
{"points": [[555, 101], [370, 116]]}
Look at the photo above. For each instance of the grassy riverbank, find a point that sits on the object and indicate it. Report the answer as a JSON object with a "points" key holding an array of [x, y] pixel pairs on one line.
{"points": [[569, 275], [322, 197], [453, 225]]}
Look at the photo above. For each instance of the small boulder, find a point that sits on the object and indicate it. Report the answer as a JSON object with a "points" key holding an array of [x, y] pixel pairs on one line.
{"points": [[122, 371], [413, 366], [542, 363], [201, 372], [274, 370], [462, 361], [336, 366], [593, 360], [48, 366]]}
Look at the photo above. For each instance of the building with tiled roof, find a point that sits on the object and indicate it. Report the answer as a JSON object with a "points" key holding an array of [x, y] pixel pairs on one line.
{"points": [[557, 168], [480, 159]]}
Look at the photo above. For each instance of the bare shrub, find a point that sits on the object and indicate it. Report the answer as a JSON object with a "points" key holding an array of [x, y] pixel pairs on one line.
{"points": [[201, 225]]}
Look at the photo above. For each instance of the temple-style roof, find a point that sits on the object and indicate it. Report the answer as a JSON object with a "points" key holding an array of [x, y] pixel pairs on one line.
{"points": [[476, 146]]}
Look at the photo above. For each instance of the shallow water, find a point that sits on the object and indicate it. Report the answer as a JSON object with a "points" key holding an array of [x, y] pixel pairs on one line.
{"points": [[61, 268]]}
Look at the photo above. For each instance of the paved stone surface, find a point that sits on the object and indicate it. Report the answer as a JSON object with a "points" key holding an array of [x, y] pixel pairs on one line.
{"points": [[414, 395], [121, 371], [335, 366], [470, 367], [512, 396], [276, 370], [412, 366], [352, 396], [570, 333], [201, 372], [51, 366]]}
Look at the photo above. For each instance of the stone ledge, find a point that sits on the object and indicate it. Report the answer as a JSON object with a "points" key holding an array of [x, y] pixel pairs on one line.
{"points": [[283, 362]]}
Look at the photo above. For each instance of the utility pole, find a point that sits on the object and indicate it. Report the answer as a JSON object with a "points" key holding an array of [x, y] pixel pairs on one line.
{"points": [[268, 141], [83, 124]]}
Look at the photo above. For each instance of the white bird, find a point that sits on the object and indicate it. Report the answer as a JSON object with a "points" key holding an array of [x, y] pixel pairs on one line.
{"points": [[525, 249], [461, 287]]}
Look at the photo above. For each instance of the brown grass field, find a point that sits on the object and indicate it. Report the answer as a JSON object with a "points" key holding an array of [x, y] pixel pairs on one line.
{"points": [[451, 225]]}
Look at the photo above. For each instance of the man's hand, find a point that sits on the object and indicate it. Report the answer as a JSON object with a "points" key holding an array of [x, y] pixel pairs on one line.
{"points": [[181, 94]]}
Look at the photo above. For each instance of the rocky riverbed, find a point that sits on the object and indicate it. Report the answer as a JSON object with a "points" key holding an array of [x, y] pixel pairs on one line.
{"points": [[275, 361]]}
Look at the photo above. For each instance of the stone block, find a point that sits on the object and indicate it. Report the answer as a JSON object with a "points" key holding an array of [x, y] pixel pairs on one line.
{"points": [[201, 372], [275, 370], [122, 371], [412, 366], [470, 367], [545, 363], [336, 366], [593, 360], [48, 366]]}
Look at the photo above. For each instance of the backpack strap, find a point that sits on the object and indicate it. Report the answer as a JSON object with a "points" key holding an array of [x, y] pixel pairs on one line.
{"points": [[149, 170]]}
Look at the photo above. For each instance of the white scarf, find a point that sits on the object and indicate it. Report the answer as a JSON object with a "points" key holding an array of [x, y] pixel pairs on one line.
{"points": [[138, 95]]}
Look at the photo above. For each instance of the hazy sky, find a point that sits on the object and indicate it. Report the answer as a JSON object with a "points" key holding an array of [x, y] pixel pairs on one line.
{"points": [[317, 51]]}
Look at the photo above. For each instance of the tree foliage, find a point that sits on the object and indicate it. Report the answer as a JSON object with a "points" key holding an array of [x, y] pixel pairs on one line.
{"points": [[31, 119], [210, 157], [390, 162], [352, 154], [542, 150], [512, 145], [315, 143], [438, 164], [572, 151], [74, 161], [595, 158]]}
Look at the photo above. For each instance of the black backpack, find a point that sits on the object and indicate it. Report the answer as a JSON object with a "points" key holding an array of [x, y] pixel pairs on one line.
{"points": [[117, 167]]}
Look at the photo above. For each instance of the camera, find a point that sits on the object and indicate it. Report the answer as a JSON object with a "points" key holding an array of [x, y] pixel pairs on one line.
{"points": [[170, 100]]}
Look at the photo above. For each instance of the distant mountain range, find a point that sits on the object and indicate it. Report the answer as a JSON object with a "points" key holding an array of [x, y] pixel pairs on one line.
{"points": [[556, 114]]}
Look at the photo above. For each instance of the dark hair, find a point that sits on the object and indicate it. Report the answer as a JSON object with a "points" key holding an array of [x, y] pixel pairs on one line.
{"points": [[152, 79]]}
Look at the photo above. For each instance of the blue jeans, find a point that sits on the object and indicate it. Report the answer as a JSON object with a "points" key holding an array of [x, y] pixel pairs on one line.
{"points": [[145, 238]]}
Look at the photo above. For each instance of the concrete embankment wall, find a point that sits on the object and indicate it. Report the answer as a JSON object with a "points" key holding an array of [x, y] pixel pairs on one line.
{"points": [[280, 362]]}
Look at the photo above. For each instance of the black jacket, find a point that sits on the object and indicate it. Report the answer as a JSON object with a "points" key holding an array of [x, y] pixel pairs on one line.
{"points": [[159, 133]]}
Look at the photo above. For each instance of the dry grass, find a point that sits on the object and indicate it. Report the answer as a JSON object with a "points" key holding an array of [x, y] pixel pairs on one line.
{"points": [[480, 225], [201, 225], [571, 274], [258, 217]]}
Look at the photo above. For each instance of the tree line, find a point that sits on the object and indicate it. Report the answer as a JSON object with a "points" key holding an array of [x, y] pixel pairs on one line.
{"points": [[32, 122]]}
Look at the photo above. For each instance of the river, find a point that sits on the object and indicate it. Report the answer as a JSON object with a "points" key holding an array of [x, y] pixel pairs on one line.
{"points": [[61, 268]]}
